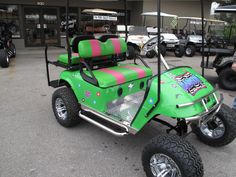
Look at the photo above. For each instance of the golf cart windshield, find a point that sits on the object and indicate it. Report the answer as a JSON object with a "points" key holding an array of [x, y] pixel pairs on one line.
{"points": [[99, 21], [138, 30]]}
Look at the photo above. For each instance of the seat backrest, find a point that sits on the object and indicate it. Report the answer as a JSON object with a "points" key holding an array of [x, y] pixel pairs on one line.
{"points": [[89, 49], [75, 41]]}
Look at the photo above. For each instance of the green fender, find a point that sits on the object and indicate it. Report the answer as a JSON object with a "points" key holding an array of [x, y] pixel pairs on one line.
{"points": [[178, 86]]}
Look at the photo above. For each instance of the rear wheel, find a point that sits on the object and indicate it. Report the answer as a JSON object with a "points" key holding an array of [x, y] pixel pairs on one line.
{"points": [[12, 48], [4, 59], [65, 107], [179, 51], [170, 155], [221, 130], [131, 52], [150, 54], [227, 79], [190, 50], [163, 50]]}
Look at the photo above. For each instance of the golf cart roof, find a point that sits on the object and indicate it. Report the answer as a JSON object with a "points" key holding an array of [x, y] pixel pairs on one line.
{"points": [[205, 19], [226, 9], [191, 18], [99, 11], [156, 13], [215, 21]]}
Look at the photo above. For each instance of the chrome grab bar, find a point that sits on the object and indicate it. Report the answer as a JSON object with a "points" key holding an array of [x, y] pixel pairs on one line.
{"points": [[109, 130]]}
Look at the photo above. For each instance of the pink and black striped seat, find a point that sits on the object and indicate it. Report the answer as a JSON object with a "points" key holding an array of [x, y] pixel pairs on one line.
{"points": [[114, 75]]}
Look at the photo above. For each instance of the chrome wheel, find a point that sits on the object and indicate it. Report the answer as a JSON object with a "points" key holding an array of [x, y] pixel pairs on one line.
{"points": [[61, 109], [213, 129], [188, 51], [163, 166]]}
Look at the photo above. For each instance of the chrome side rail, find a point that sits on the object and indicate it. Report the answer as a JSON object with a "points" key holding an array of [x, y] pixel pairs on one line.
{"points": [[128, 129]]}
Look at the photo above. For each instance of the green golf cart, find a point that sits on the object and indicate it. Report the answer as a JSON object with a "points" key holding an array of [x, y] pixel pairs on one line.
{"points": [[120, 98]]}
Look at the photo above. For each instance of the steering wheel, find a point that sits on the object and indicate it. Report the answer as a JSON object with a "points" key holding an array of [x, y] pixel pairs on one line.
{"points": [[151, 44], [106, 27]]}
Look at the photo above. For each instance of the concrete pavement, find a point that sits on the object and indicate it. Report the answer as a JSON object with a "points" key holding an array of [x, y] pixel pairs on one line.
{"points": [[33, 144]]}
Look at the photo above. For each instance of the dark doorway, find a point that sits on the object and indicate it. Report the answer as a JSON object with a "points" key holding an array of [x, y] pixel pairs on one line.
{"points": [[41, 26]]}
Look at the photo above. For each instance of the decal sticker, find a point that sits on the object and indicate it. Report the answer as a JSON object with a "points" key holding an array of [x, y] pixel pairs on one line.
{"points": [[151, 101], [98, 94], [83, 100], [190, 83], [130, 86], [174, 85], [94, 102], [177, 96], [162, 82], [87, 94]]}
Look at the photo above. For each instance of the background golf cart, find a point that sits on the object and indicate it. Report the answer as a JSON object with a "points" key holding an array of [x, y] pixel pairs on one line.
{"points": [[7, 48], [138, 36], [170, 42], [99, 22], [224, 59]]}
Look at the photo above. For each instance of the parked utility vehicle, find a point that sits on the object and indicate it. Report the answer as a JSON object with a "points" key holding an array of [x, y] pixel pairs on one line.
{"points": [[7, 47], [170, 42], [122, 98], [223, 60]]}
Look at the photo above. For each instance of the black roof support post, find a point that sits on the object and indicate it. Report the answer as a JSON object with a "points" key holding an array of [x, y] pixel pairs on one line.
{"points": [[126, 14], [203, 37], [67, 33], [159, 53]]}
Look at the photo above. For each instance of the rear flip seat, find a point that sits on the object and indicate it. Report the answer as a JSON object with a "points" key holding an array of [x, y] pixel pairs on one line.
{"points": [[96, 50]]}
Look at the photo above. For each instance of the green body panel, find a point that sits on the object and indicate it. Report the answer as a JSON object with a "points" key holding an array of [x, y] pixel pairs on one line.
{"points": [[173, 91], [108, 80], [95, 97], [173, 94]]}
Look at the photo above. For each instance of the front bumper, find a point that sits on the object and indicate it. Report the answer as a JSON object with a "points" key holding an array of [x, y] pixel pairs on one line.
{"points": [[208, 113]]}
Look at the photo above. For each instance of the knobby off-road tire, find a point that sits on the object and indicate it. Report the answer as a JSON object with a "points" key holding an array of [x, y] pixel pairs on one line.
{"points": [[150, 54], [65, 107], [174, 149], [190, 50], [13, 50], [163, 50], [130, 53], [179, 51], [4, 59], [227, 117], [227, 79]]}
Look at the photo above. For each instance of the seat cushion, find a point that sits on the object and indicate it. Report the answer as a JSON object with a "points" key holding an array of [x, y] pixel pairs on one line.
{"points": [[75, 59], [108, 77]]}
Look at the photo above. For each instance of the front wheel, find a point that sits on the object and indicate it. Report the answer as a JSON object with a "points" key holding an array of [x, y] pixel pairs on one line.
{"points": [[170, 155], [65, 107], [227, 79], [221, 130], [4, 59]]}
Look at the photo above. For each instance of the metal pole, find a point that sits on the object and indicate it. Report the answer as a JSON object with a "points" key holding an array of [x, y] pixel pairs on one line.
{"points": [[203, 37], [67, 33], [159, 53], [126, 13]]}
